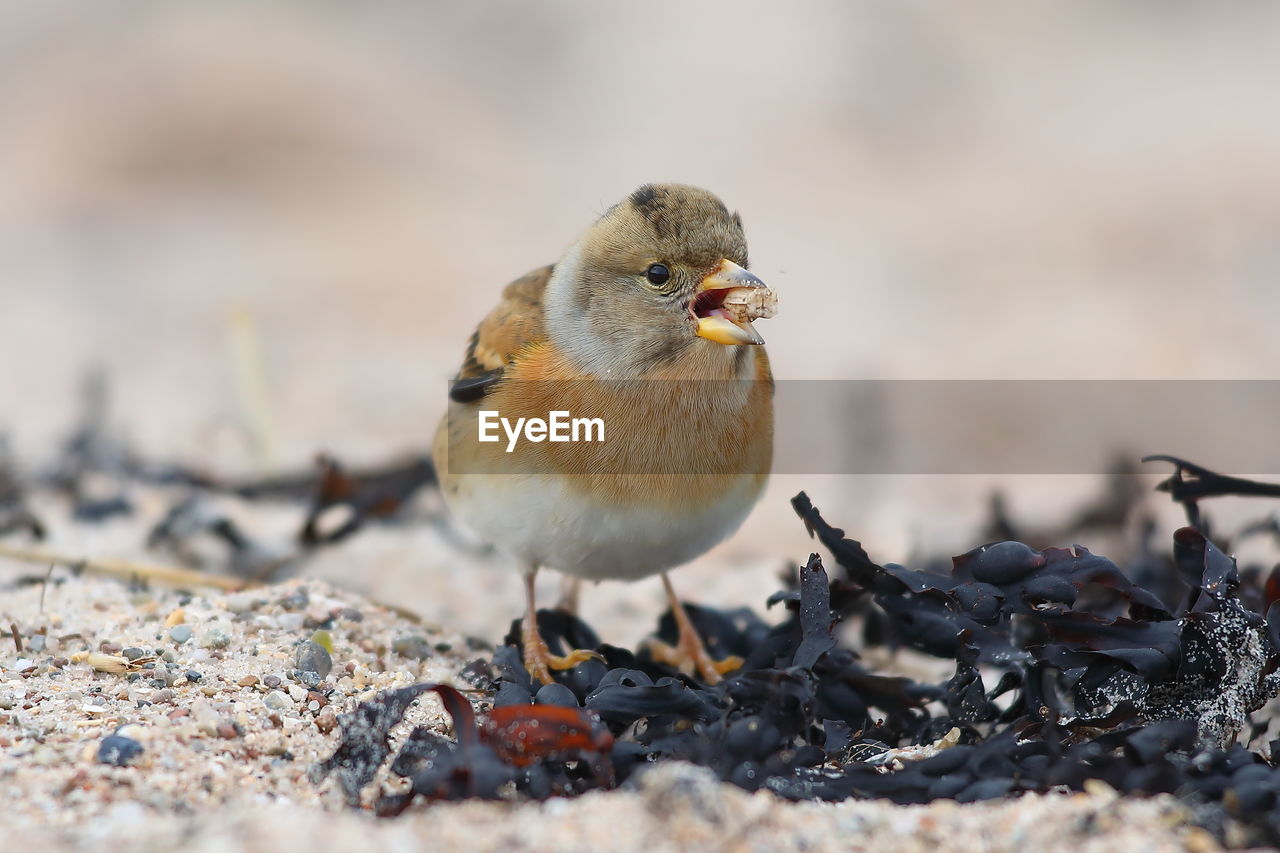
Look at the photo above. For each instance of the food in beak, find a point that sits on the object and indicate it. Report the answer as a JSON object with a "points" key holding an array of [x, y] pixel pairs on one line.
{"points": [[745, 304], [728, 299]]}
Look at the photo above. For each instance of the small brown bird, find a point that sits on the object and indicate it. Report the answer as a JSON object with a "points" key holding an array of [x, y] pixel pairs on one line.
{"points": [[645, 325]]}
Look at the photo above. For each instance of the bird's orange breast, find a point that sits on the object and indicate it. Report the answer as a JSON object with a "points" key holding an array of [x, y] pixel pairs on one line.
{"points": [[674, 438]]}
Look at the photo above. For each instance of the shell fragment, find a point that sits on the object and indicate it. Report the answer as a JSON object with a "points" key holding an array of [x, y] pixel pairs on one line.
{"points": [[744, 304]]}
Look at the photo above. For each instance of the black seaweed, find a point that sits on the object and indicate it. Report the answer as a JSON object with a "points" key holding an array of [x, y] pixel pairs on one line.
{"points": [[1096, 677]]}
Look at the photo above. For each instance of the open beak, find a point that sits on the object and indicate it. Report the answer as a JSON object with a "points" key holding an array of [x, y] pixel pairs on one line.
{"points": [[727, 300]]}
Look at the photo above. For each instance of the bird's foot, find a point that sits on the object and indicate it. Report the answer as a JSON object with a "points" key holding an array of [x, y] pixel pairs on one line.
{"points": [[690, 655], [539, 661]]}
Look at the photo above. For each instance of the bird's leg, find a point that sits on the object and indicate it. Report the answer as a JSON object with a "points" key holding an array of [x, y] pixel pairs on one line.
{"points": [[538, 659], [690, 652], [570, 592]]}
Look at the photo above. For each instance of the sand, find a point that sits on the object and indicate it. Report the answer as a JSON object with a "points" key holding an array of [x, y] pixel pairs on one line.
{"points": [[226, 747]]}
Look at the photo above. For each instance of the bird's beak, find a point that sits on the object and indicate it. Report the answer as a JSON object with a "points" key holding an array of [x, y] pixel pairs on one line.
{"points": [[727, 300]]}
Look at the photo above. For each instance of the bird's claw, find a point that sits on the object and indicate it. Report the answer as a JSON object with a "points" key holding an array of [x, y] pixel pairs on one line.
{"points": [[539, 661], [690, 657]]}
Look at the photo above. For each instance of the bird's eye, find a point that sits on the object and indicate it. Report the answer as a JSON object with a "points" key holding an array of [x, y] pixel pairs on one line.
{"points": [[657, 274]]}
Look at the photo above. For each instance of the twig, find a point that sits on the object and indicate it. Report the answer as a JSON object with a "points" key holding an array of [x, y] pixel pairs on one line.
{"points": [[251, 385], [125, 569], [172, 575]]}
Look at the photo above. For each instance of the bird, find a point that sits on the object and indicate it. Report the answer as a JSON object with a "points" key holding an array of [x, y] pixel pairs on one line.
{"points": [[644, 323]]}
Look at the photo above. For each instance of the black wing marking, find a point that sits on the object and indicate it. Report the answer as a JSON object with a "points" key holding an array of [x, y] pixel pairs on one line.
{"points": [[474, 387]]}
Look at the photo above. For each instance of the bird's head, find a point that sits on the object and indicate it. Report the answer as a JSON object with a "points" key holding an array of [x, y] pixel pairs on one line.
{"points": [[660, 275]]}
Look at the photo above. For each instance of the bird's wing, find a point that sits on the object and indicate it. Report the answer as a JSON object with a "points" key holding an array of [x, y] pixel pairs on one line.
{"points": [[514, 324]]}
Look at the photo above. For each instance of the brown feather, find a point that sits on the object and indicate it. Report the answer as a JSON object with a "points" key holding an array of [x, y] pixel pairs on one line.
{"points": [[515, 323]]}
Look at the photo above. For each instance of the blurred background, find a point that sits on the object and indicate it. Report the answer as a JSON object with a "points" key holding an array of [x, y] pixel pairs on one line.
{"points": [[274, 227]]}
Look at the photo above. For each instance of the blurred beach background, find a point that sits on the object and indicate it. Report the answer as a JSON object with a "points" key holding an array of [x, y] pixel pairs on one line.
{"points": [[1069, 190]]}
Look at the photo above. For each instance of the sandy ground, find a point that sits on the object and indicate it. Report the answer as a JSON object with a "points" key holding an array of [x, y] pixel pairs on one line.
{"points": [[227, 744]]}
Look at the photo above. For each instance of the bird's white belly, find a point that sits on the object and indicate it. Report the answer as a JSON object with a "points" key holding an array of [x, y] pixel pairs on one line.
{"points": [[541, 522]]}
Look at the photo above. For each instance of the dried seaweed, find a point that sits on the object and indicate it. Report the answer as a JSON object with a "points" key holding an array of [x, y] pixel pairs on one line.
{"points": [[1192, 483], [366, 740], [1097, 678], [515, 744], [195, 518], [94, 463], [372, 495], [15, 516]]}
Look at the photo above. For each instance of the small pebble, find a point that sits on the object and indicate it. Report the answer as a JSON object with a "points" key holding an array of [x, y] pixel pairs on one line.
{"points": [[327, 719], [133, 653], [271, 681], [412, 646], [324, 639], [248, 681], [310, 679], [312, 657], [243, 602], [317, 617], [118, 750], [180, 633], [214, 637], [193, 676], [277, 701], [37, 642]]}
